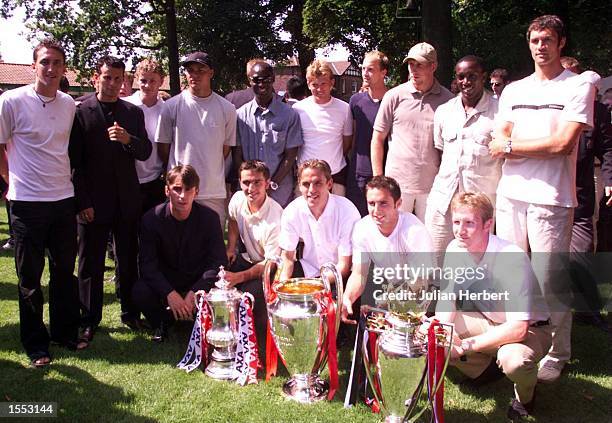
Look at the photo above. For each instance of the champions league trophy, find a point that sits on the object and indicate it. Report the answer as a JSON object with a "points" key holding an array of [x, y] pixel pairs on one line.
{"points": [[303, 322], [400, 360], [223, 333]]}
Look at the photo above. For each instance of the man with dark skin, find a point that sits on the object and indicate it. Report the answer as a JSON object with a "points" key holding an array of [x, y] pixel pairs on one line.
{"points": [[462, 130], [269, 130]]}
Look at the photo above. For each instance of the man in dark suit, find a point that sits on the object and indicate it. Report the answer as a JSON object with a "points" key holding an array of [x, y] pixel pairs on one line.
{"points": [[107, 136]]}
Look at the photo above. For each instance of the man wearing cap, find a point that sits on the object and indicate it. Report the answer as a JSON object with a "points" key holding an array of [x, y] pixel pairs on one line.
{"points": [[269, 130], [198, 127], [406, 116]]}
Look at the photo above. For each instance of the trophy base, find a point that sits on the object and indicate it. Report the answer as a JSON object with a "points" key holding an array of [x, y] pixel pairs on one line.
{"points": [[220, 370], [306, 389]]}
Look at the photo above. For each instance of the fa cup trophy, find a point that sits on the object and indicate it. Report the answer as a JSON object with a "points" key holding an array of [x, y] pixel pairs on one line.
{"points": [[303, 322]]}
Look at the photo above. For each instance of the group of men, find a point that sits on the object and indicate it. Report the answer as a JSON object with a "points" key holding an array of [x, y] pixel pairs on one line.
{"points": [[427, 172]]}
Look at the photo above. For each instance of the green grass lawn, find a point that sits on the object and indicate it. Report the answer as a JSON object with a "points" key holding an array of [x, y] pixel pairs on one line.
{"points": [[125, 377]]}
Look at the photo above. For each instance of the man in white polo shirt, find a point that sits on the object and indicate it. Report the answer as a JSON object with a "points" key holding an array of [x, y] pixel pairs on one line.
{"points": [[406, 115], [254, 223], [323, 221], [198, 127], [327, 124], [35, 123], [541, 118], [150, 76], [386, 237]]}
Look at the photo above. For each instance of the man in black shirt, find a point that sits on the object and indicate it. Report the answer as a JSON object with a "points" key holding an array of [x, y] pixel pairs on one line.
{"points": [[181, 249]]}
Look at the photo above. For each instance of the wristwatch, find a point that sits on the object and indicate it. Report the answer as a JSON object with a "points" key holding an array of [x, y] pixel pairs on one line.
{"points": [[508, 147], [273, 186]]}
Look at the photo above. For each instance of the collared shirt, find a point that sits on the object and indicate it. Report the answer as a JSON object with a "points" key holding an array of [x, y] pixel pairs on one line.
{"points": [[463, 139], [407, 116], [325, 239], [266, 134], [503, 269], [259, 230]]}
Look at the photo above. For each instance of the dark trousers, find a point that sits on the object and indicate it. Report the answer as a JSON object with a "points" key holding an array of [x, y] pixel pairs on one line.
{"points": [[36, 226], [151, 304], [92, 253], [152, 194], [355, 191]]}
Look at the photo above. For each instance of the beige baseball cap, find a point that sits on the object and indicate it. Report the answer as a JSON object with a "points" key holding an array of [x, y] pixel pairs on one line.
{"points": [[422, 52]]}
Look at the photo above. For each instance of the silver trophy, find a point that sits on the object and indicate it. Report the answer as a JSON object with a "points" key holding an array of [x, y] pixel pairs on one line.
{"points": [[222, 335], [300, 329], [396, 366]]}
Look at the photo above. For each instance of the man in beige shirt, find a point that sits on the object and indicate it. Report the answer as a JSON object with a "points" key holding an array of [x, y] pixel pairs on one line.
{"points": [[406, 115]]}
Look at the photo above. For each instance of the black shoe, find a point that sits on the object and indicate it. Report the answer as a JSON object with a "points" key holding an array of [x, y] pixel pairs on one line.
{"points": [[160, 334], [491, 374], [594, 319], [135, 323], [518, 411]]}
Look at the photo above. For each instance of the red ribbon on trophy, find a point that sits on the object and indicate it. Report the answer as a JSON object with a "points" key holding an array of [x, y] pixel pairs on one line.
{"points": [[370, 338], [329, 311], [247, 355], [435, 367], [272, 353], [197, 349]]}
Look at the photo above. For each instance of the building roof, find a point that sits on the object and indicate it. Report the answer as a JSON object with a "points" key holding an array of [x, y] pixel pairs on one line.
{"points": [[23, 74], [339, 67]]}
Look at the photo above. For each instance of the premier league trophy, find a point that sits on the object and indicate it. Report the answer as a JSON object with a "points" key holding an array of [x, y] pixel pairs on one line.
{"points": [[401, 359], [222, 335], [303, 321]]}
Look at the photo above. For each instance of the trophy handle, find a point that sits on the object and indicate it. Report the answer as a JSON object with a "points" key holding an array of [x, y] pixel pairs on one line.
{"points": [[330, 267], [272, 265]]}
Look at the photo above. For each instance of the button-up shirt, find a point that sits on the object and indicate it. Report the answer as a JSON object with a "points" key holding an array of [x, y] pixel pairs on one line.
{"points": [[265, 134], [463, 137], [326, 238]]}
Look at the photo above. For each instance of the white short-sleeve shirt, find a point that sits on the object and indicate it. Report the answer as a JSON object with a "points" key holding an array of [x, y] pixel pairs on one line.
{"points": [[323, 126], [197, 129], [37, 141], [151, 168], [325, 239], [536, 108], [259, 231]]}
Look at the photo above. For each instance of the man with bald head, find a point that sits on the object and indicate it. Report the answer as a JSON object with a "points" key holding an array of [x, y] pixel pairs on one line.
{"points": [[269, 130]]}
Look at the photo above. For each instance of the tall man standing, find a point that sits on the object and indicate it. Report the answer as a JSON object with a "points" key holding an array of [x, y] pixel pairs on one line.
{"points": [[35, 122], [107, 136], [364, 107], [406, 116], [462, 132], [198, 127], [269, 130], [150, 77], [327, 124], [541, 119]]}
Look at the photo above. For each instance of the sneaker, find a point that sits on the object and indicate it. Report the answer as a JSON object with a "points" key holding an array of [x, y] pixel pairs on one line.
{"points": [[519, 411], [9, 245], [550, 371]]}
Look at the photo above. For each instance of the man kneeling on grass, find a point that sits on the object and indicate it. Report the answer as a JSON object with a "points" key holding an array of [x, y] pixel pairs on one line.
{"points": [[181, 249], [254, 220], [500, 316]]}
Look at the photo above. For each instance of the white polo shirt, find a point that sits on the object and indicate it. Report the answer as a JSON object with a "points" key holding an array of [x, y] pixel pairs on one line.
{"points": [[325, 239], [259, 231], [323, 126], [37, 141], [536, 108], [151, 168]]}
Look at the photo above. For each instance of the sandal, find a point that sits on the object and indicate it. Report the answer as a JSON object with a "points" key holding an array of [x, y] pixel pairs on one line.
{"points": [[40, 362]]}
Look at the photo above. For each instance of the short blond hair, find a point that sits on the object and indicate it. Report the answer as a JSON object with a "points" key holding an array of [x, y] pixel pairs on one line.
{"points": [[383, 60], [318, 164], [317, 69], [149, 65], [477, 201]]}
